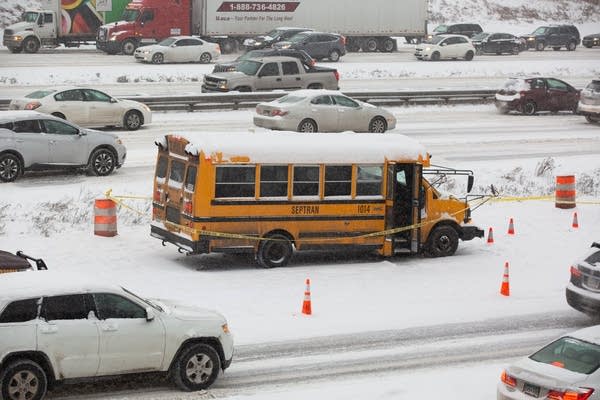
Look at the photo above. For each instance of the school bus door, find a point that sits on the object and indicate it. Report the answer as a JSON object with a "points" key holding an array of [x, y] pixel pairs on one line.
{"points": [[173, 190], [403, 206]]}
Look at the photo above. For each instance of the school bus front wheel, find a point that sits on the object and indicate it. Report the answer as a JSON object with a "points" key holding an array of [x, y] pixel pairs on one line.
{"points": [[442, 242]]}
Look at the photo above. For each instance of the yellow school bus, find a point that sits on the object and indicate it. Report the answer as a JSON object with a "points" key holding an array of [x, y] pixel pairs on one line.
{"points": [[270, 193]]}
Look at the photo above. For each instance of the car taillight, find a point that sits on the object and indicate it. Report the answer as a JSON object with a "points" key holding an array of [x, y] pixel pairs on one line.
{"points": [[187, 207], [218, 48], [276, 112], [337, 75], [579, 394], [575, 272], [32, 105], [522, 94], [343, 40], [312, 62], [507, 379]]}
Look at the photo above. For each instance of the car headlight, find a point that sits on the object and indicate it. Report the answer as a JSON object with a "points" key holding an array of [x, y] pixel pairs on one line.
{"points": [[222, 84], [530, 39], [146, 51], [113, 38], [225, 328], [18, 38], [119, 141], [427, 48]]}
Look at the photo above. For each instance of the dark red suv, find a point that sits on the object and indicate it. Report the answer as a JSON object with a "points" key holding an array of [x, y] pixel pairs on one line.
{"points": [[530, 95]]}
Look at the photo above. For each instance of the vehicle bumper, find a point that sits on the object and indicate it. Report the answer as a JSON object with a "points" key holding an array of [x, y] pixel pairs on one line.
{"points": [[588, 109], [10, 42], [277, 123], [209, 89], [143, 57], [470, 232], [109, 46], [591, 42], [227, 343], [507, 105], [183, 243], [583, 300], [121, 156], [422, 56], [504, 393]]}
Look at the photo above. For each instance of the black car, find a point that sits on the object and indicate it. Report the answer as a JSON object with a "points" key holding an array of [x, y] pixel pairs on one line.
{"points": [[498, 43], [590, 41], [555, 36], [274, 36], [468, 30], [318, 45], [299, 54], [583, 290]]}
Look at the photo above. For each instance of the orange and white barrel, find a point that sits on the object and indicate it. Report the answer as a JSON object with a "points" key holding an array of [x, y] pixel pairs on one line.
{"points": [[105, 218], [565, 191]]}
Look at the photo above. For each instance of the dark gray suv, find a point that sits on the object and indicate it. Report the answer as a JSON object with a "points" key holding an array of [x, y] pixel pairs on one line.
{"points": [[299, 54], [555, 36], [318, 45]]}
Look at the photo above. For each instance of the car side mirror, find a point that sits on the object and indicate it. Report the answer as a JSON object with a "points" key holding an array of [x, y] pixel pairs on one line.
{"points": [[470, 181], [82, 133], [444, 44], [149, 314], [113, 100]]}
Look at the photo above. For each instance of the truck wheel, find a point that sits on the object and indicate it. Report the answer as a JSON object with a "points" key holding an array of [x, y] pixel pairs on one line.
{"points": [[540, 46], [275, 252], [128, 47], [102, 162], [307, 125], [388, 45], [442, 242], [377, 125], [31, 45], [158, 58], [334, 56], [530, 108], [10, 167], [591, 119], [15, 50], [132, 120], [370, 45], [469, 55], [196, 368], [23, 379], [205, 58]]}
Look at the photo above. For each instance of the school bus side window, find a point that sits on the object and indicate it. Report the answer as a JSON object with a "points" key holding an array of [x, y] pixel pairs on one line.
{"points": [[235, 181], [161, 167], [338, 180], [306, 180], [273, 180], [369, 179], [190, 179], [177, 171]]}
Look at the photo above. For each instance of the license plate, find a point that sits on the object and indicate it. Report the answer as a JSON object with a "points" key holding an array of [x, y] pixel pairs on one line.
{"points": [[531, 390]]}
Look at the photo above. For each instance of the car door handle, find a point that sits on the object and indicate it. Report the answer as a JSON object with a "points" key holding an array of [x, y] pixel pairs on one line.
{"points": [[109, 327], [19, 140], [278, 79], [298, 78], [49, 329]]}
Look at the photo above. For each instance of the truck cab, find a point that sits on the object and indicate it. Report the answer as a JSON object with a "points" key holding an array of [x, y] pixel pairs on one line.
{"points": [[36, 28]]}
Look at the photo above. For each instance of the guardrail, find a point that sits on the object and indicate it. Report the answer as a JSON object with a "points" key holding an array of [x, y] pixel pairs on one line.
{"points": [[237, 100]]}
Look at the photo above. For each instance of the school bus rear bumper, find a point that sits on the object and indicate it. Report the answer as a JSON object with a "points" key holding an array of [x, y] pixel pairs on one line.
{"points": [[184, 244], [470, 232]]}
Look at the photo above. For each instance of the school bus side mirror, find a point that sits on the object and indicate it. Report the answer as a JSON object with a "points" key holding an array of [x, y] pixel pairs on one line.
{"points": [[470, 182]]}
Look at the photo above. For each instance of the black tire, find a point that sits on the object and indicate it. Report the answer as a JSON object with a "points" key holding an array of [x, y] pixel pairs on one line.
{"points": [[530, 108], [133, 120], [370, 45], [334, 56], [516, 50], [23, 379], [540, 46], [388, 45], [378, 125], [31, 45], [315, 86], [16, 50], [469, 55], [128, 47], [276, 252], [571, 46], [435, 56], [10, 167], [158, 58], [442, 242], [102, 162], [205, 58], [592, 120], [196, 368], [307, 125], [59, 115]]}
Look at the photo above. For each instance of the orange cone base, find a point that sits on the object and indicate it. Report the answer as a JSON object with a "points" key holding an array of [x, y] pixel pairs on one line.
{"points": [[505, 289], [306, 308]]}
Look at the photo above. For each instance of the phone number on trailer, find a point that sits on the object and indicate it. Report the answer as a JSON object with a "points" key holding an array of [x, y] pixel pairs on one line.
{"points": [[258, 6]]}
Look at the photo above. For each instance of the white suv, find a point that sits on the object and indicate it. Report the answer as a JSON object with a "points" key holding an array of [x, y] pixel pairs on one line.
{"points": [[445, 47], [55, 327]]}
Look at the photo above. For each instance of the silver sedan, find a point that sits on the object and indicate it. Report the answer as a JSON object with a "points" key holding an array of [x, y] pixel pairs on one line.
{"points": [[322, 111], [567, 368], [179, 49], [85, 107]]}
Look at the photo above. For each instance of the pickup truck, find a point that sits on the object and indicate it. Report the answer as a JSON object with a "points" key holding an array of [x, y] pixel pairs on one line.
{"points": [[270, 73]]}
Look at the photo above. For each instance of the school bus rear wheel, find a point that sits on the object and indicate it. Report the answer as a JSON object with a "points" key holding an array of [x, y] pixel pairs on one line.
{"points": [[274, 252]]}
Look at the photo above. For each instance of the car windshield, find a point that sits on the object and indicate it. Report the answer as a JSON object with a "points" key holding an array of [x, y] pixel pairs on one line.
{"points": [[38, 94], [594, 258], [290, 99], [151, 304], [248, 67], [130, 15], [274, 33], [480, 36], [250, 54], [167, 42], [441, 29], [571, 354], [516, 85], [540, 31], [29, 16], [594, 86], [298, 38]]}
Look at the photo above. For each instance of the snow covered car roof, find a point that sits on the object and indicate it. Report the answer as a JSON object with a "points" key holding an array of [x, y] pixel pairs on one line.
{"points": [[294, 147]]}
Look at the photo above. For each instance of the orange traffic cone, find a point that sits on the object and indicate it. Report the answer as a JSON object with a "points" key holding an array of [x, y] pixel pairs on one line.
{"points": [[505, 288], [490, 238], [306, 305], [575, 222], [511, 227]]}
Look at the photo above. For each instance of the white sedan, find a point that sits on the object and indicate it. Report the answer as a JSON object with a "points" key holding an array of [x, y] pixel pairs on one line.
{"points": [[446, 47], [179, 49], [322, 111], [86, 107], [567, 368]]}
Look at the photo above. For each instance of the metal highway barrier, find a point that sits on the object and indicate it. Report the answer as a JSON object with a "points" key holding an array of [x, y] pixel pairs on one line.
{"points": [[237, 100]]}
